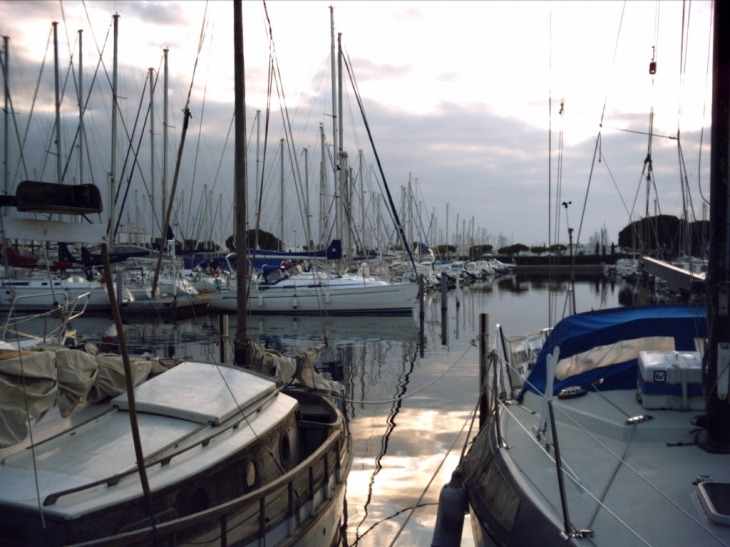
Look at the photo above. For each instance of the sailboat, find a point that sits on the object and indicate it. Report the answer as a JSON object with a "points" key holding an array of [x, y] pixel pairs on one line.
{"points": [[620, 432], [284, 289], [195, 453]]}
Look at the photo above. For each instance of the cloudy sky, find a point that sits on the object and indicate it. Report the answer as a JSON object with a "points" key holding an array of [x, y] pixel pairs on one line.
{"points": [[460, 97]]}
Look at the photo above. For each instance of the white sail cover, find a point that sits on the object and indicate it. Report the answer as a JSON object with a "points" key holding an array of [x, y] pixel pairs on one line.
{"points": [[31, 382]]}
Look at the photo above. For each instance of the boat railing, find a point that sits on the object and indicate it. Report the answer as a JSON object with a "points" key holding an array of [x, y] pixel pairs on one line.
{"points": [[65, 313], [294, 497]]}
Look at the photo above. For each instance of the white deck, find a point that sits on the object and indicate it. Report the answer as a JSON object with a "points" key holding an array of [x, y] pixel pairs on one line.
{"points": [[103, 447], [644, 483]]}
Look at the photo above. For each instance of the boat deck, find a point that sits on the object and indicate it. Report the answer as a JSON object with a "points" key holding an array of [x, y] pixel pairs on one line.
{"points": [[625, 482], [97, 444]]}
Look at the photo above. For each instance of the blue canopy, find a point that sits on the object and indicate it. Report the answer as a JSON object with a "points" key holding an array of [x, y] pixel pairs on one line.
{"points": [[582, 332]]}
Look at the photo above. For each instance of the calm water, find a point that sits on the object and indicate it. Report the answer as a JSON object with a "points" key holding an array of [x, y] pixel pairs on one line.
{"points": [[407, 411]]}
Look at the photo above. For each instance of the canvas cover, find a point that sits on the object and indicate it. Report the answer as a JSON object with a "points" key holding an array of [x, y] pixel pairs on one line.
{"points": [[605, 344], [38, 380]]}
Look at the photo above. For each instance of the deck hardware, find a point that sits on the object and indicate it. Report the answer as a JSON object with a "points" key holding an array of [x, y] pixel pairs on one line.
{"points": [[638, 419]]}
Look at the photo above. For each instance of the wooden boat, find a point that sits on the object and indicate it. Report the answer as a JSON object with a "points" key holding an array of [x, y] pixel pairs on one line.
{"points": [[227, 452], [198, 454]]}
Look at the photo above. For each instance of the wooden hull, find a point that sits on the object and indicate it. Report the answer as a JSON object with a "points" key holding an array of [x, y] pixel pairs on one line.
{"points": [[294, 496]]}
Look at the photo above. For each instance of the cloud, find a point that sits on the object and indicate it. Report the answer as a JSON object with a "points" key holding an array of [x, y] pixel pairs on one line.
{"points": [[366, 70], [156, 13], [447, 77]]}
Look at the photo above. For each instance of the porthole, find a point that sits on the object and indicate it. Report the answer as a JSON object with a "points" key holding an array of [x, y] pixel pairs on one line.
{"points": [[250, 475], [284, 450], [198, 501]]}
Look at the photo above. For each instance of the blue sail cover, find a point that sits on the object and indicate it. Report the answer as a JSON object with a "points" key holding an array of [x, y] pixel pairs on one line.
{"points": [[580, 333]]}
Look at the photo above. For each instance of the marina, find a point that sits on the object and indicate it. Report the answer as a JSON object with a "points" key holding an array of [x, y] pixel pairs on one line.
{"points": [[274, 336], [408, 413]]}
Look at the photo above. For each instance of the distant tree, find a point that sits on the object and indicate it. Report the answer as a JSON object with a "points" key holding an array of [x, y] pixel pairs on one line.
{"points": [[538, 250], [445, 250], [604, 250], [477, 251], [597, 248], [558, 248], [267, 241], [613, 248], [512, 250]]}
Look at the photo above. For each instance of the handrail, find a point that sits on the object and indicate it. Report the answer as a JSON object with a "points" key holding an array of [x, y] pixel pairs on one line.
{"points": [[71, 314], [222, 511]]}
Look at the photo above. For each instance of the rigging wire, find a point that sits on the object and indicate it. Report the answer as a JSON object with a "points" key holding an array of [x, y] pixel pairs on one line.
{"points": [[596, 153], [380, 167], [704, 107]]}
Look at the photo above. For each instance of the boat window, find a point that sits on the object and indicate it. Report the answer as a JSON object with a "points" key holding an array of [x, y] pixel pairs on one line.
{"points": [[251, 476], [284, 450]]}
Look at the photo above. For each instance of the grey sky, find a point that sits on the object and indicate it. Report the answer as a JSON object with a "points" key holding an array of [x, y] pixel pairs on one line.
{"points": [[456, 95]]}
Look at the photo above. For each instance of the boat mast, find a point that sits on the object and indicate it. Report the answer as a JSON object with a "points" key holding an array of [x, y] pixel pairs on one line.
{"points": [[6, 87], [306, 196], [165, 125], [334, 95], [342, 211], [152, 141], [718, 272], [81, 107], [113, 174], [57, 78], [258, 174], [240, 187], [322, 187], [281, 195], [362, 199]]}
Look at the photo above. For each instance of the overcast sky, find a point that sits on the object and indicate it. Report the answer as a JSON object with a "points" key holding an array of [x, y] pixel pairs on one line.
{"points": [[457, 95]]}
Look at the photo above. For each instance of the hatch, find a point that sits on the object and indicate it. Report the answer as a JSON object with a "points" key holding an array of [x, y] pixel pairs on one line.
{"points": [[199, 392]]}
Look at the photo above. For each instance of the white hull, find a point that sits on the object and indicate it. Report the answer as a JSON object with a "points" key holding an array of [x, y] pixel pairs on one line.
{"points": [[37, 294], [309, 295]]}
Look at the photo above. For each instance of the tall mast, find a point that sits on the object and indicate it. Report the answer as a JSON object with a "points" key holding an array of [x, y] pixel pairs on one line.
{"points": [[6, 87], [322, 187], [447, 229], [306, 196], [165, 125], [342, 155], [409, 210], [334, 94], [718, 272], [113, 173], [152, 140], [59, 163], [362, 198], [240, 186], [81, 107], [281, 195], [258, 173]]}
